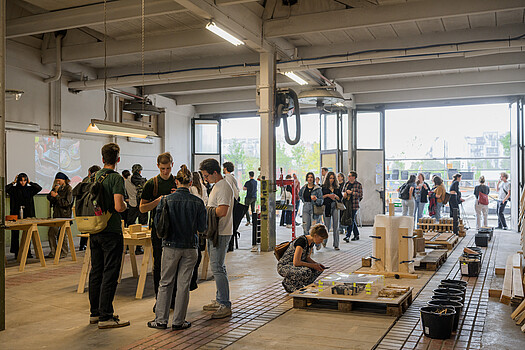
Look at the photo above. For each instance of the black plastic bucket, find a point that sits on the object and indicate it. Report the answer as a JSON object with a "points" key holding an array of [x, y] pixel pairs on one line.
{"points": [[451, 292], [458, 282], [437, 321], [448, 303], [453, 286], [447, 297]]}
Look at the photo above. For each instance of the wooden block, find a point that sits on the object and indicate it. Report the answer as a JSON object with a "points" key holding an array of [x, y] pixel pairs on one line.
{"points": [[391, 209], [516, 261], [366, 262], [500, 271], [523, 328], [520, 318], [300, 302], [134, 228], [518, 310], [495, 293], [344, 306], [394, 310], [138, 235], [419, 244]]}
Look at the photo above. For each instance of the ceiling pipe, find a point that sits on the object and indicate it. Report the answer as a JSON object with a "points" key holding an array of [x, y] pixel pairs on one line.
{"points": [[349, 59], [58, 70]]}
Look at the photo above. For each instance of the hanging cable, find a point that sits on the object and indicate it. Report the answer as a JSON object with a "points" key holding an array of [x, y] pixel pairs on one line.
{"points": [[105, 61], [283, 111], [142, 50]]}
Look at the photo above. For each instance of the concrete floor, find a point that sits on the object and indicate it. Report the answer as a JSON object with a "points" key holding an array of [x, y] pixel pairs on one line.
{"points": [[43, 309]]}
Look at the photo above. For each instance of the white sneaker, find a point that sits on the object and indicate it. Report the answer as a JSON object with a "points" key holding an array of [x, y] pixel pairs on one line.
{"points": [[222, 312], [255, 249], [214, 305], [288, 226]]}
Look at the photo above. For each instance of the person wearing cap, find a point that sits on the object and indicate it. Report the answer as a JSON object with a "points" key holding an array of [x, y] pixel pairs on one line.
{"points": [[61, 200]]}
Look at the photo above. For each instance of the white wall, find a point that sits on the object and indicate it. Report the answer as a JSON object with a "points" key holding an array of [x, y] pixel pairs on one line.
{"points": [[25, 72]]}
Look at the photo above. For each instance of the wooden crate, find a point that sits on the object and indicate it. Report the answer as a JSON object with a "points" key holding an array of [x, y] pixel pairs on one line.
{"points": [[346, 303]]}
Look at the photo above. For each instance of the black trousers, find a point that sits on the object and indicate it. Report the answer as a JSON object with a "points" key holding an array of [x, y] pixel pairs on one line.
{"points": [[156, 243], [250, 202], [134, 213], [106, 258], [453, 203]]}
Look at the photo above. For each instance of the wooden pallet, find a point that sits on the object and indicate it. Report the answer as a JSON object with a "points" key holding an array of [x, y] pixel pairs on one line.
{"points": [[433, 260], [448, 242], [346, 303]]}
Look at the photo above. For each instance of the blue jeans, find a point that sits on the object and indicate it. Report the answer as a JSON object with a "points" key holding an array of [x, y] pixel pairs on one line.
{"points": [[354, 226], [437, 215], [418, 211], [309, 217], [217, 256]]}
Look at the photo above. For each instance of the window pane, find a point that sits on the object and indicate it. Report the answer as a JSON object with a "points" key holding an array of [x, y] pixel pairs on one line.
{"points": [[369, 130], [328, 132], [206, 137]]}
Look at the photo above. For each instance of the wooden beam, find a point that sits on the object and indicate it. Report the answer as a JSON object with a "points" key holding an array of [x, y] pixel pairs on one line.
{"points": [[232, 2], [82, 52], [506, 292], [384, 15], [87, 16]]}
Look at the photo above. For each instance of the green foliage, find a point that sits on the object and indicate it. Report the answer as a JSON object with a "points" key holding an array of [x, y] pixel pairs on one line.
{"points": [[505, 142]]}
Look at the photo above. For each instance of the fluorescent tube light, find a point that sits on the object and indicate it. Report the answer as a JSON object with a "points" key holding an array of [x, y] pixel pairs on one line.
{"points": [[119, 129], [296, 78], [22, 126], [212, 27], [340, 104], [147, 140]]}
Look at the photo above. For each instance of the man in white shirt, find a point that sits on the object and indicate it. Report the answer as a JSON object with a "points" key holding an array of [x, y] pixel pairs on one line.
{"points": [[227, 169], [221, 198], [503, 189]]}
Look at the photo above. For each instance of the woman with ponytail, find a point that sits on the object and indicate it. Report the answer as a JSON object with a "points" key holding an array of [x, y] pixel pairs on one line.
{"points": [[187, 217]]}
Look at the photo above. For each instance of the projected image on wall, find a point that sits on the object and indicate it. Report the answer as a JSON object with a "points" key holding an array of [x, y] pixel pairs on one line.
{"points": [[53, 155]]}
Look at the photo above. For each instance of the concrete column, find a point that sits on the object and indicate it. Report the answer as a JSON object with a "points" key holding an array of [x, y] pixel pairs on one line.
{"points": [[3, 160], [266, 92], [351, 140]]}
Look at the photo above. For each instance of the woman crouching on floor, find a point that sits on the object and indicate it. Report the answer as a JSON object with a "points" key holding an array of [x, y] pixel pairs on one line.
{"points": [[296, 266]]}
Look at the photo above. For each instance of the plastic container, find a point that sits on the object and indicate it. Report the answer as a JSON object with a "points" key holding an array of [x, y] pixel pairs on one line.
{"points": [[487, 230], [437, 321], [450, 292], [447, 297], [458, 282], [453, 286], [449, 303], [482, 239]]}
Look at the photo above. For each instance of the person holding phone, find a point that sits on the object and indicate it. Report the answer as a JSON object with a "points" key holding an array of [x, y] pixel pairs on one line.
{"points": [[296, 265], [21, 192]]}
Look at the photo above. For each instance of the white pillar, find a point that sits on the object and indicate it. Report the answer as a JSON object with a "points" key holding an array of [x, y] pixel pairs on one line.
{"points": [[266, 91]]}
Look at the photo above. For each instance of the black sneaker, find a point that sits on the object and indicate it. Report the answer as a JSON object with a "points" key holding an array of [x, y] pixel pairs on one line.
{"points": [[356, 238], [184, 325], [346, 239], [155, 324]]}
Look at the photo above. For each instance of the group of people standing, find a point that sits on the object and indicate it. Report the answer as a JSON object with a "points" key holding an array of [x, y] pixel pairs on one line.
{"points": [[336, 202], [416, 193]]}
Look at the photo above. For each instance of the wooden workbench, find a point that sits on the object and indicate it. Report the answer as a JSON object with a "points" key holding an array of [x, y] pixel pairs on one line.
{"points": [[29, 228], [128, 242]]}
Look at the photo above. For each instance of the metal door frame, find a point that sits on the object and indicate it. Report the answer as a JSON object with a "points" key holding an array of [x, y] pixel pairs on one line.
{"points": [[381, 111], [339, 141], [219, 140]]}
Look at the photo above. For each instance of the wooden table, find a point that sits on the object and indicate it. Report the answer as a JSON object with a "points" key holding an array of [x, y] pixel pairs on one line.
{"points": [[30, 231], [128, 242]]}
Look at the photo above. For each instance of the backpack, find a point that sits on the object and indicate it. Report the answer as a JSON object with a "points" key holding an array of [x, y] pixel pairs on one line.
{"points": [[280, 249], [163, 223], [446, 198], [91, 212], [404, 191]]}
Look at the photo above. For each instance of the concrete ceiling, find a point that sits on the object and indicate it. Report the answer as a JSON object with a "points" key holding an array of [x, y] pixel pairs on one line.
{"points": [[380, 51]]}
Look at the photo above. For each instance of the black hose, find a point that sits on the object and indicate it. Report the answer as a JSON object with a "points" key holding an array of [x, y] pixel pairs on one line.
{"points": [[297, 113]]}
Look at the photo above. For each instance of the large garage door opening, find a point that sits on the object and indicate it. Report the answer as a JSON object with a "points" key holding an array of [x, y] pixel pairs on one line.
{"points": [[472, 140]]}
